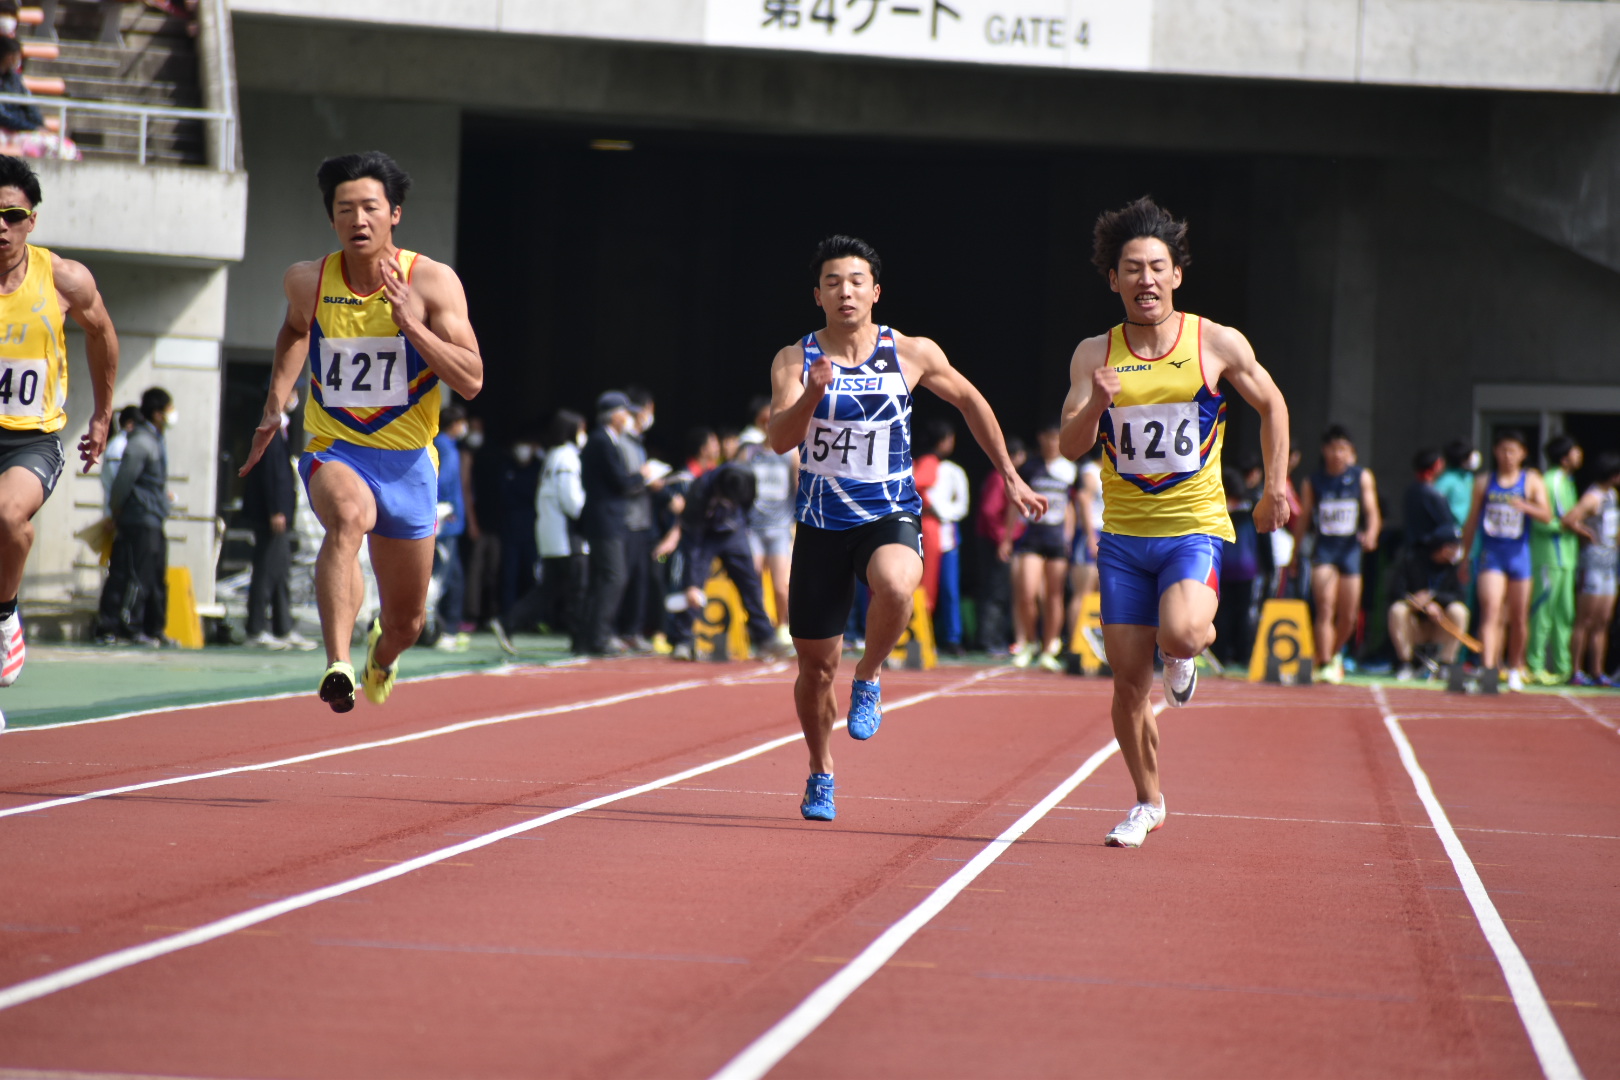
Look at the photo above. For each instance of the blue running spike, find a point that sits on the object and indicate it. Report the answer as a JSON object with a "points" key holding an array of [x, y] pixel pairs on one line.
{"points": [[865, 709], [818, 798]]}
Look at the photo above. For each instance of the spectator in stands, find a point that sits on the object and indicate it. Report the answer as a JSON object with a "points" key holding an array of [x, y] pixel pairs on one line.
{"points": [[1240, 564], [714, 525], [482, 542], [520, 482], [24, 133], [452, 511], [138, 590], [636, 618], [115, 453], [948, 500], [270, 508], [1596, 519], [1040, 554], [1426, 586], [610, 485], [730, 440], [563, 551], [938, 440], [702, 451], [1423, 509], [1554, 550], [995, 567], [8, 17], [1457, 482], [770, 522]]}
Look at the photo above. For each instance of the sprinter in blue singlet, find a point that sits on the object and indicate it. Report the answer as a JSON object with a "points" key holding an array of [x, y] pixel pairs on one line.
{"points": [[1503, 498], [842, 396], [1339, 506]]}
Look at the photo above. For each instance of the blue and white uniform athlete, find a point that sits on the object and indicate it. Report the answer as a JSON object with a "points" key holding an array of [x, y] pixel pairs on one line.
{"points": [[1503, 498], [1339, 504], [842, 397]]}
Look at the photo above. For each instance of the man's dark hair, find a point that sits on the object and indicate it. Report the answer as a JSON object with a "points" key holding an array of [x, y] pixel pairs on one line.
{"points": [[1425, 459], [937, 431], [1511, 434], [639, 396], [1457, 452], [1607, 467], [14, 172], [129, 415], [1142, 219], [1335, 432], [9, 46], [452, 414], [154, 401], [695, 438], [1016, 446], [1048, 425], [757, 403], [845, 247], [373, 164], [1558, 448], [562, 429]]}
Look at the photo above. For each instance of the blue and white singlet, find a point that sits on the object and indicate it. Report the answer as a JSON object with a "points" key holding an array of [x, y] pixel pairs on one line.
{"points": [[855, 461]]}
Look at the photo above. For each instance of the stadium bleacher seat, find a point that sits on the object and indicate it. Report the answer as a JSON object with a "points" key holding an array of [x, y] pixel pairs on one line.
{"points": [[45, 85]]}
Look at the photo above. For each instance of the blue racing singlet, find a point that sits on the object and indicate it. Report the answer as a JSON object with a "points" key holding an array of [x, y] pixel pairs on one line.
{"points": [[1503, 523], [855, 461], [1338, 502]]}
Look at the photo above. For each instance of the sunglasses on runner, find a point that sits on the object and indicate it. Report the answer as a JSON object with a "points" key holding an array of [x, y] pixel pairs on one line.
{"points": [[15, 215]]}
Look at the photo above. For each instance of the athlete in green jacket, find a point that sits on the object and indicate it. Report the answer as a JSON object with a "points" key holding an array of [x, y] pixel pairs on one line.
{"points": [[1553, 551]]}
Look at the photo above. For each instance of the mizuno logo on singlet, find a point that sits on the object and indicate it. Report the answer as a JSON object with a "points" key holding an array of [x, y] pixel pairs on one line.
{"points": [[1178, 363], [341, 300], [1135, 367]]}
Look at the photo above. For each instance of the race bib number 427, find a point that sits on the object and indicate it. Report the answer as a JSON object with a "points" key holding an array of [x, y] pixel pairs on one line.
{"points": [[857, 449], [22, 388], [1152, 439], [363, 373]]}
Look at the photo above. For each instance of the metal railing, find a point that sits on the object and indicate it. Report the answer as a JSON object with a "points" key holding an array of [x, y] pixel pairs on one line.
{"points": [[145, 113]]}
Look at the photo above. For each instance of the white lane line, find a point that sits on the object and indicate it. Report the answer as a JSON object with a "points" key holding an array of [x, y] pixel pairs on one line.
{"points": [[448, 729], [45, 985], [1557, 1063], [502, 669], [1587, 710], [763, 1054]]}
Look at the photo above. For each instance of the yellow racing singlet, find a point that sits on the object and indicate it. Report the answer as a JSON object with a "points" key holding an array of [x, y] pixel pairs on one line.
{"points": [[1161, 438], [368, 385], [33, 356]]}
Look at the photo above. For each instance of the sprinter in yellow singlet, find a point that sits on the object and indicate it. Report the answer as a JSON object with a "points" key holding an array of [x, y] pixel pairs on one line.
{"points": [[37, 288], [1148, 391], [378, 329]]}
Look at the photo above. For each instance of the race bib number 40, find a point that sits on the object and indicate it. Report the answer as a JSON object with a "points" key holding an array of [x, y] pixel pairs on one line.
{"points": [[22, 387], [1156, 439], [363, 373], [1503, 522], [1337, 517], [856, 449]]}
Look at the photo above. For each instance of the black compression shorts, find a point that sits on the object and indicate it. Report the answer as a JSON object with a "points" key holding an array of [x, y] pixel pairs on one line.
{"points": [[826, 563], [38, 452]]}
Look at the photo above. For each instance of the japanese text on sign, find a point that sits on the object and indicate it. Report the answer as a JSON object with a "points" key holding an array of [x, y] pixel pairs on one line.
{"points": [[1046, 33]]}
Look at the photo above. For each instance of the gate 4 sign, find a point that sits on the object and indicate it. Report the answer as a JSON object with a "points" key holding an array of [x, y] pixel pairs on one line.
{"points": [[1284, 646], [1044, 33]]}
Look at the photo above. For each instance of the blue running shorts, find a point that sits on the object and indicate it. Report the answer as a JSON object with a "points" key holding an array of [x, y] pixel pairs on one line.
{"points": [[1134, 571], [1514, 560], [1343, 553], [404, 484]]}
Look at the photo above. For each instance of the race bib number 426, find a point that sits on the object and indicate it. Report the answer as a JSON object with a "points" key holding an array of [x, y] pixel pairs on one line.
{"points": [[363, 373], [857, 449], [22, 388], [1154, 439]]}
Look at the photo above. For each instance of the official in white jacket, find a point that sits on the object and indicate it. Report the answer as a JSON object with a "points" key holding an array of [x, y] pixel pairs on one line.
{"points": [[563, 551]]}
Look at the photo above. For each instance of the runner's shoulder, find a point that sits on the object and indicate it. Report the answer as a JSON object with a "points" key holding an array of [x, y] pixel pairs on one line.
{"points": [[1225, 342], [921, 351]]}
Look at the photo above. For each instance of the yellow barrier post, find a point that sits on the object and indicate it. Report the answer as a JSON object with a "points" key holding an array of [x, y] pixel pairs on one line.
{"points": [[184, 625], [720, 630], [915, 649], [1284, 645], [1086, 653]]}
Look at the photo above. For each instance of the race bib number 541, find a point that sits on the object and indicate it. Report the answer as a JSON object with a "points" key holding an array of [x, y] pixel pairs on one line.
{"points": [[1154, 439], [363, 373], [857, 449]]}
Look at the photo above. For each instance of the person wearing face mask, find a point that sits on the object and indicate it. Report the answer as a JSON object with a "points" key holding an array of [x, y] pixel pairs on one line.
{"points": [[558, 505], [635, 620], [610, 487], [519, 483], [137, 589], [481, 467]]}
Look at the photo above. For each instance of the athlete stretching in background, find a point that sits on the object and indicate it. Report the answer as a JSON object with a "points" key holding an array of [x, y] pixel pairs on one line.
{"points": [[1147, 389], [842, 395], [378, 328]]}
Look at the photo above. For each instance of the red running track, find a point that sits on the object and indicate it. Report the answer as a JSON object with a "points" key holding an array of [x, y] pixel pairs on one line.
{"points": [[1297, 916]]}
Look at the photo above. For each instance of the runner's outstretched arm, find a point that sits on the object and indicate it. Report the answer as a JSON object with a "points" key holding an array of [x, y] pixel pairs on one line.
{"points": [[1236, 363], [75, 283], [445, 339], [950, 385], [292, 351]]}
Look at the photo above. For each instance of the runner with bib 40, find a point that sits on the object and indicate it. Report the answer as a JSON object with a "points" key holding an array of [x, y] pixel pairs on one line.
{"points": [[1147, 390]]}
